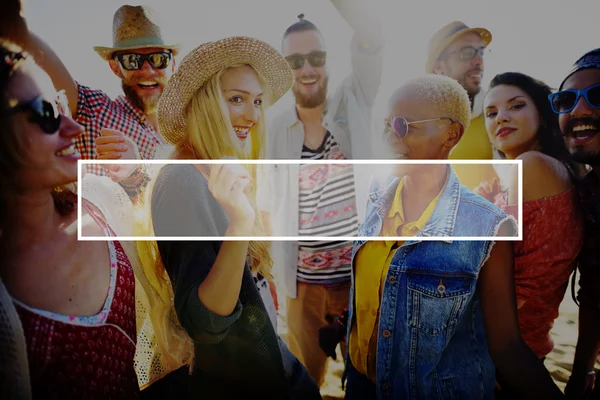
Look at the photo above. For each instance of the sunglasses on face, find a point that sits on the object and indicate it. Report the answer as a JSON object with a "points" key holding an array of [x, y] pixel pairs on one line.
{"points": [[468, 53], [134, 61], [47, 115], [565, 101], [315, 59], [399, 125]]}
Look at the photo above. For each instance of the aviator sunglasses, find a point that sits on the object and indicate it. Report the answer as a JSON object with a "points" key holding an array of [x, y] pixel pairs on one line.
{"points": [[47, 115], [564, 101], [315, 59], [134, 61], [399, 125]]}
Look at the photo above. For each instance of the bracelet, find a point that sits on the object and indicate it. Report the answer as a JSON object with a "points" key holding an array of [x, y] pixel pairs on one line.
{"points": [[139, 176], [592, 372]]}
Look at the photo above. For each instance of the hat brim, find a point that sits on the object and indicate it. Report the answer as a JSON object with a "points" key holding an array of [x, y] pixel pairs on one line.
{"points": [[208, 59], [107, 52], [434, 54]]}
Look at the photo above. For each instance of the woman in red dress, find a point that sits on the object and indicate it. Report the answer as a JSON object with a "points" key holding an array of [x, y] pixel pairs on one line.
{"points": [[522, 126], [75, 299]]}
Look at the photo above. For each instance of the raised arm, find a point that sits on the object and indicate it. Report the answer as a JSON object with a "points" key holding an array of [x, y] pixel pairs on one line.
{"points": [[366, 50], [515, 361], [13, 26]]}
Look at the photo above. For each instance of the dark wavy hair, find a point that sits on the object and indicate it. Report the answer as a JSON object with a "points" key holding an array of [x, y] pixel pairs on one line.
{"points": [[549, 136]]}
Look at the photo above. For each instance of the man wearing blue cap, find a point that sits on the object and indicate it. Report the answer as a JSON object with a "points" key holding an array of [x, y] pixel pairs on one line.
{"points": [[578, 104]]}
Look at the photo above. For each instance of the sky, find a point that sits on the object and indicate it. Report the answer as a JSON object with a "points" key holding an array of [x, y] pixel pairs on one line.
{"points": [[539, 38]]}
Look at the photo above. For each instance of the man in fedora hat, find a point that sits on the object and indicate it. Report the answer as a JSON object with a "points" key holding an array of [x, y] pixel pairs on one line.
{"points": [[315, 276], [458, 51], [139, 57]]}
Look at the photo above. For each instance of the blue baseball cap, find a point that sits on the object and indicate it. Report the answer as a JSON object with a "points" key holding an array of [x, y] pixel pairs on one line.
{"points": [[591, 59]]}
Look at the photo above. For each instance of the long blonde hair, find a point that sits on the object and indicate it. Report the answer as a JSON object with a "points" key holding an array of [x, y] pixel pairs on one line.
{"points": [[210, 136]]}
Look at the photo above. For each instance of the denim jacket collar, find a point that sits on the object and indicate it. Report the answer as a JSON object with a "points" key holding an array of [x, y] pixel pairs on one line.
{"points": [[442, 220]]}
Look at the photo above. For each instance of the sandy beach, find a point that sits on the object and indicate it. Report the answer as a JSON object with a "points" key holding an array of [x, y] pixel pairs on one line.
{"points": [[558, 362]]}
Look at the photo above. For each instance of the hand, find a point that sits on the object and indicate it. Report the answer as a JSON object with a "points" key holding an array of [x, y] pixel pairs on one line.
{"points": [[114, 145], [581, 386], [229, 185], [120, 172], [487, 192], [330, 335]]}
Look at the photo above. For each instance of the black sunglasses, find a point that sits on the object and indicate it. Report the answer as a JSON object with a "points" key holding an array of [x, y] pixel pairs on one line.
{"points": [[315, 58], [469, 52], [399, 125], [135, 61], [565, 101], [47, 115]]}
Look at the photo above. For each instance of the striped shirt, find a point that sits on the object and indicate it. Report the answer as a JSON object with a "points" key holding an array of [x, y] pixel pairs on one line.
{"points": [[327, 207]]}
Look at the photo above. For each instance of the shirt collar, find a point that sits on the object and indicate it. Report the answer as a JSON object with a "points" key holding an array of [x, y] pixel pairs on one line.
{"points": [[292, 117], [443, 218]]}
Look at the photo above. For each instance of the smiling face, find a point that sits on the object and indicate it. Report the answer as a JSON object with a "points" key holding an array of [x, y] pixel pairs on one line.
{"points": [[144, 86], [466, 72], [581, 126], [310, 82], [242, 91], [512, 120], [50, 159]]}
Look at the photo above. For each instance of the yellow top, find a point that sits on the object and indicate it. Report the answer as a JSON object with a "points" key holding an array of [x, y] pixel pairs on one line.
{"points": [[372, 263], [474, 145]]}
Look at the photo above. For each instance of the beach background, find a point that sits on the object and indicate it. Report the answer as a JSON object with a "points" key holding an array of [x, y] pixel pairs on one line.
{"points": [[558, 363]]}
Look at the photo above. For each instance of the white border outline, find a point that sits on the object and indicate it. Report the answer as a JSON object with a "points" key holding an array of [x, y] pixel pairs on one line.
{"points": [[450, 239]]}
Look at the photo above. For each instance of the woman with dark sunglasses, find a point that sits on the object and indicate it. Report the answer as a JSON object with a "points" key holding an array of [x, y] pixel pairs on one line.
{"points": [[75, 299], [433, 319], [521, 125]]}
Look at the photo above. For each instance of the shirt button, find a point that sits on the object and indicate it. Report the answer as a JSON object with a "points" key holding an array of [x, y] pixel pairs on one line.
{"points": [[385, 386], [441, 289], [387, 333]]}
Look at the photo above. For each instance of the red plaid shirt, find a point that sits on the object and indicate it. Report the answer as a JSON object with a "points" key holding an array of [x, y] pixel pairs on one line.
{"points": [[95, 110]]}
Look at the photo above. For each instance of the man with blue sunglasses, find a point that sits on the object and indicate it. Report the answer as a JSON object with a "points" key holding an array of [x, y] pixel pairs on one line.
{"points": [[578, 104]]}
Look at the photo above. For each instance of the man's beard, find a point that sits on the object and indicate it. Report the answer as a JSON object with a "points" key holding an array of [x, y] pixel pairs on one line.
{"points": [[314, 100], [588, 158], [148, 104]]}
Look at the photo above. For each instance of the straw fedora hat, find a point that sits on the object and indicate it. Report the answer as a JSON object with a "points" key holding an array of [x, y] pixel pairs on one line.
{"points": [[447, 35], [208, 59], [135, 27]]}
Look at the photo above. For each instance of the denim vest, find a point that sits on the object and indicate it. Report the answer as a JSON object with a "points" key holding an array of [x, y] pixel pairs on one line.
{"points": [[432, 342]]}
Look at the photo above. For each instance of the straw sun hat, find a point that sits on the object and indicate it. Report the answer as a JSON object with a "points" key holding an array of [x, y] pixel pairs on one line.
{"points": [[135, 27], [208, 59]]}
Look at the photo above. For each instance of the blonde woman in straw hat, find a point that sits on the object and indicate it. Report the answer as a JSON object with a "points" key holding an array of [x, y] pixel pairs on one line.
{"points": [[212, 108]]}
